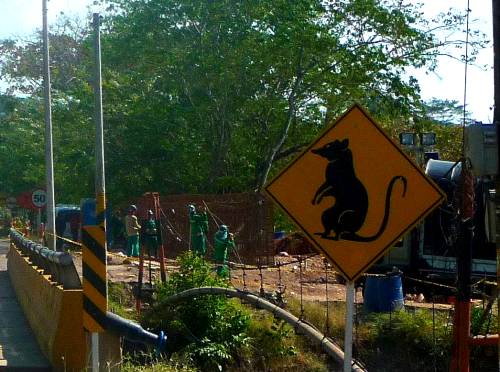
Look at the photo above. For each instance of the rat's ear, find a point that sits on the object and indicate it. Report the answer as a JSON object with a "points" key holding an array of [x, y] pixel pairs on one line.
{"points": [[345, 143]]}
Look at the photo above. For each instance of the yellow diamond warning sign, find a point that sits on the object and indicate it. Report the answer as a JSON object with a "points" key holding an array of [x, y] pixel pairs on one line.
{"points": [[354, 192]]}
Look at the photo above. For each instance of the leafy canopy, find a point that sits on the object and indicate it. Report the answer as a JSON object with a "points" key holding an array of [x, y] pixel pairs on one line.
{"points": [[211, 96]]}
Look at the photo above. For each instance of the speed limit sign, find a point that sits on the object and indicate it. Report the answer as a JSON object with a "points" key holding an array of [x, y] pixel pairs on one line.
{"points": [[39, 198]]}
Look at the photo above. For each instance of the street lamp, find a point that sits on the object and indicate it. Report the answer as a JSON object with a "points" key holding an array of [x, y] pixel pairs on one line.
{"points": [[407, 139], [428, 139], [417, 142], [410, 139]]}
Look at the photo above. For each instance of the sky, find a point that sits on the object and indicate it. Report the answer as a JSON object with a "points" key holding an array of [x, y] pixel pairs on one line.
{"points": [[20, 17]]}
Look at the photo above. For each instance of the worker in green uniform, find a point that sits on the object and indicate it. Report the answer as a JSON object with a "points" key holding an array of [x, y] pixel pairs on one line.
{"points": [[151, 235], [223, 242], [132, 227], [199, 230]]}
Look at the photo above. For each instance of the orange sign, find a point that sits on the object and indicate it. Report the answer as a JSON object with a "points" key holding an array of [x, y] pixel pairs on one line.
{"points": [[354, 192]]}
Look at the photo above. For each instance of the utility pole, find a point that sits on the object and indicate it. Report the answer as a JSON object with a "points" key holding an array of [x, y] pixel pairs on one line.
{"points": [[49, 158], [496, 122], [100, 248], [465, 209], [100, 183]]}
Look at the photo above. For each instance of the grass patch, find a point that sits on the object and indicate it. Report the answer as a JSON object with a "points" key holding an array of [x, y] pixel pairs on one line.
{"points": [[163, 366], [316, 314], [121, 301], [406, 341], [274, 346]]}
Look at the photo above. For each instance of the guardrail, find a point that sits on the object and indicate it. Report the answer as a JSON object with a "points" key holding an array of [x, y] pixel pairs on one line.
{"points": [[59, 265], [60, 333]]}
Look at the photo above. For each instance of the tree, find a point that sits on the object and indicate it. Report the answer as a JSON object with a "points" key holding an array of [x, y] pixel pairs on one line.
{"points": [[213, 96], [261, 72]]}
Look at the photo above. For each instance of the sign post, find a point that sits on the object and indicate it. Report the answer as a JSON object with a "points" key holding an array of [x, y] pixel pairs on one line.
{"points": [[349, 316], [354, 193]]}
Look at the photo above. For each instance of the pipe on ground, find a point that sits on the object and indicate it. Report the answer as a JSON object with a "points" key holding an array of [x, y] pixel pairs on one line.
{"points": [[309, 331], [134, 332]]}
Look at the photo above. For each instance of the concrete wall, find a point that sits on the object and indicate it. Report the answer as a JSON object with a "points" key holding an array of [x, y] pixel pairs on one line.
{"points": [[54, 314]]}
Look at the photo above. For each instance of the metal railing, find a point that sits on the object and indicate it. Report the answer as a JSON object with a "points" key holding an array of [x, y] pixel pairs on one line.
{"points": [[59, 265]]}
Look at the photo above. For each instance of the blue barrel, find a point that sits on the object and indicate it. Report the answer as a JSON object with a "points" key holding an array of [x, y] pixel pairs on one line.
{"points": [[383, 293]]}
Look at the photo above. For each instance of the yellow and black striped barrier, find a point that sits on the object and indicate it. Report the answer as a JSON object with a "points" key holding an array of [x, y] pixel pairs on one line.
{"points": [[95, 291]]}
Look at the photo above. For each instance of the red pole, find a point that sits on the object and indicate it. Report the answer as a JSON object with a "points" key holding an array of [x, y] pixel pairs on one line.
{"points": [[157, 210], [140, 279]]}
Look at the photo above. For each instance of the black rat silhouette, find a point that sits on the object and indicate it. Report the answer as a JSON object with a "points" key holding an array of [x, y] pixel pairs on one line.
{"points": [[346, 217]]}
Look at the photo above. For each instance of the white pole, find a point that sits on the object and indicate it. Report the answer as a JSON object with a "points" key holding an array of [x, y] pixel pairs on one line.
{"points": [[49, 159], [100, 184], [95, 351], [349, 294], [100, 178]]}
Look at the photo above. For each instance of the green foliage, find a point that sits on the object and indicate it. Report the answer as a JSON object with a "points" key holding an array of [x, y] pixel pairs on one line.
{"points": [[120, 300], [209, 330], [209, 96], [150, 363], [275, 338], [482, 324], [282, 222], [315, 313], [422, 342], [214, 332], [5, 217], [274, 346]]}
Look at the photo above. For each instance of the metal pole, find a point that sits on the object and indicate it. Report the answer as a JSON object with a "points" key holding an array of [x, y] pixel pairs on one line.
{"points": [[349, 316], [100, 183], [496, 60], [95, 351], [49, 158], [100, 179], [496, 121]]}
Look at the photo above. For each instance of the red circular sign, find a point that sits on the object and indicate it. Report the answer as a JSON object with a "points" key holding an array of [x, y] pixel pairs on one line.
{"points": [[39, 198]]}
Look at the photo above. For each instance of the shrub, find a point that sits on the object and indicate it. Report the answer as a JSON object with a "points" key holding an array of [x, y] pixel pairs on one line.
{"points": [[274, 346], [481, 324], [208, 329], [120, 300], [413, 341]]}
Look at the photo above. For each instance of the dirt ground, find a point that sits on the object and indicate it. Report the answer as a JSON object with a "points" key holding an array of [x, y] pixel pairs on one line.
{"points": [[313, 277], [123, 269]]}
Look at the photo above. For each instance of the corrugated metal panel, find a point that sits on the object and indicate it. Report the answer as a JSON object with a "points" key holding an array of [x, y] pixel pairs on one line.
{"points": [[249, 217]]}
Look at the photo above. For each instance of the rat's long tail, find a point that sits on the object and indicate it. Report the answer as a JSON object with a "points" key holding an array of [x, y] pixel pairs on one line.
{"points": [[355, 237]]}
